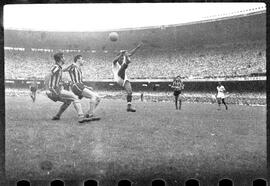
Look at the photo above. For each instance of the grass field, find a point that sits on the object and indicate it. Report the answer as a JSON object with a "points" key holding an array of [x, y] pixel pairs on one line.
{"points": [[157, 141]]}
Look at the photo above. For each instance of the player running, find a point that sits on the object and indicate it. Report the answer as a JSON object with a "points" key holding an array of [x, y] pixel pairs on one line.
{"points": [[81, 90], [119, 66], [56, 92], [178, 86], [220, 95], [33, 89]]}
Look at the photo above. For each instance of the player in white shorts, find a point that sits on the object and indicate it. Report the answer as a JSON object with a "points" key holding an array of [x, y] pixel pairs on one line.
{"points": [[119, 66], [221, 95]]}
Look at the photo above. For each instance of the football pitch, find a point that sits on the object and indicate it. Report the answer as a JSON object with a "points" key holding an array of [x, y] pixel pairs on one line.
{"points": [[157, 141]]}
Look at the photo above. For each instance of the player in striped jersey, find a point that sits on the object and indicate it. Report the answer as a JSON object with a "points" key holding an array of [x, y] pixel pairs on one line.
{"points": [[178, 86], [120, 64], [56, 92], [80, 89]]}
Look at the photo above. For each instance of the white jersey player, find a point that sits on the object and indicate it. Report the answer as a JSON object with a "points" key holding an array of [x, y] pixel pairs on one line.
{"points": [[221, 95]]}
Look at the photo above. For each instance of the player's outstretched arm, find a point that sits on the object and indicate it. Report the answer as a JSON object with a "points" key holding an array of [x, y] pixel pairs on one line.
{"points": [[133, 51]]}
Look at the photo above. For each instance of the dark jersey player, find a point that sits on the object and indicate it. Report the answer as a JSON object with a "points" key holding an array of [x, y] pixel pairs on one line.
{"points": [[119, 66], [178, 86]]}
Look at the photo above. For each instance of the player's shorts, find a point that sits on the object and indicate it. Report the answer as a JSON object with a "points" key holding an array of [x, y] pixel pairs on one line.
{"points": [[64, 96], [33, 89], [121, 81], [177, 92], [220, 96], [77, 89], [53, 96]]}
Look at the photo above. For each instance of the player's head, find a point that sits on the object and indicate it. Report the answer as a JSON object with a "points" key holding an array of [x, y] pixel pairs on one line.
{"points": [[219, 83], [79, 60], [178, 78], [59, 58]]}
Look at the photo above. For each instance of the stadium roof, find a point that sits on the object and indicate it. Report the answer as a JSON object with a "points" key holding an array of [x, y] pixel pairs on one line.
{"points": [[106, 17]]}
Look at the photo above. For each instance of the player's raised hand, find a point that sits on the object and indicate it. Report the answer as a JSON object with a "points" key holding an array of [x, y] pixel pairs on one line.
{"points": [[122, 52]]}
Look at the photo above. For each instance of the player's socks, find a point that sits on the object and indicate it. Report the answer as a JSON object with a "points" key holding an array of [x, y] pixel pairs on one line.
{"points": [[78, 107], [92, 106]]}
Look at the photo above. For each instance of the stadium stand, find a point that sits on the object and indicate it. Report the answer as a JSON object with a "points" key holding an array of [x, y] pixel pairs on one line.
{"points": [[227, 47], [227, 60]]}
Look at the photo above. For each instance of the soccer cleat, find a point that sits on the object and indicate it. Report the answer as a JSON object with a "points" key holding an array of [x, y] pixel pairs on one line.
{"points": [[88, 115], [81, 119], [56, 118], [131, 109], [91, 117]]}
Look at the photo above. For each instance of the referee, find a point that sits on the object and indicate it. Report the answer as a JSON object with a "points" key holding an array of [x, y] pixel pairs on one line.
{"points": [[177, 85]]}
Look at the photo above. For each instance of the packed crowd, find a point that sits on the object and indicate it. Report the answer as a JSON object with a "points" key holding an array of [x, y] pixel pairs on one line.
{"points": [[230, 60]]}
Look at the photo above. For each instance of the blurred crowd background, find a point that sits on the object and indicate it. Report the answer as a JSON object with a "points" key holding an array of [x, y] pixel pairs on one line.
{"points": [[227, 60]]}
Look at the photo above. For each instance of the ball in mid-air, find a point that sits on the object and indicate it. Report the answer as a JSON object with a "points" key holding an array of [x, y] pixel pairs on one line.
{"points": [[113, 36]]}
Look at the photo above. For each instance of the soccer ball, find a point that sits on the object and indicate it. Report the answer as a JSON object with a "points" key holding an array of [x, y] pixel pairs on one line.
{"points": [[113, 36]]}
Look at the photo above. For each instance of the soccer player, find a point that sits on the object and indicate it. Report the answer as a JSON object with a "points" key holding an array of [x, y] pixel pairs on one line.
{"points": [[81, 90], [120, 64], [33, 88], [178, 86], [57, 93], [220, 95]]}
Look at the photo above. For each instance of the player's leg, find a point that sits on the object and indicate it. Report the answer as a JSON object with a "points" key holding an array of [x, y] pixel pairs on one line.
{"points": [[219, 102], [176, 102], [94, 100], [31, 94], [34, 96], [175, 93], [128, 89], [68, 95], [223, 101], [180, 101], [62, 109]]}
